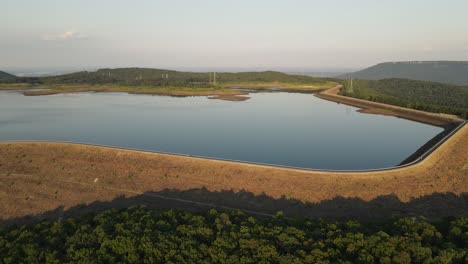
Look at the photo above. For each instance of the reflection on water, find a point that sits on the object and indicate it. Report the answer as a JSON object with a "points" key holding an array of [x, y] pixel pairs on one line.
{"points": [[278, 128]]}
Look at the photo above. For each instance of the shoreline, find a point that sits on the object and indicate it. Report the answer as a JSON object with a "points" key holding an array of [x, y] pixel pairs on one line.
{"points": [[39, 177], [412, 160]]}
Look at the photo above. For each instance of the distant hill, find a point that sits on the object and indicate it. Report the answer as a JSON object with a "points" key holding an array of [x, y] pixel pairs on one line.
{"points": [[453, 72], [6, 76]]}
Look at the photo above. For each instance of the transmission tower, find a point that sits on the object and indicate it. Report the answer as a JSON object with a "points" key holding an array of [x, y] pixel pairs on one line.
{"points": [[350, 89]]}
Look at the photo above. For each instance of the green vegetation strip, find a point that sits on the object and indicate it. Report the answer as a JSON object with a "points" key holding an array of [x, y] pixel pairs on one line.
{"points": [[139, 235]]}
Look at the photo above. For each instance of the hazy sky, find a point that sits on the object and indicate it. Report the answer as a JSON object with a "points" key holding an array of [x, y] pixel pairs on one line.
{"points": [[227, 33]]}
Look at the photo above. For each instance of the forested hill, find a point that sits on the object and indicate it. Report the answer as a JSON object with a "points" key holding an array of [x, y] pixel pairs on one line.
{"points": [[452, 72], [157, 77], [6, 76]]}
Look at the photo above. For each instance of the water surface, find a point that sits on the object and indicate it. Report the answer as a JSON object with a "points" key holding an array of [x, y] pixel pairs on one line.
{"points": [[276, 128]]}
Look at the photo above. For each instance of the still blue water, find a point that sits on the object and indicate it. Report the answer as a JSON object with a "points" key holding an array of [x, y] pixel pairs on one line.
{"points": [[277, 128]]}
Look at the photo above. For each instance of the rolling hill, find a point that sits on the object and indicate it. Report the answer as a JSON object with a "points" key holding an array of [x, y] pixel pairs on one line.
{"points": [[160, 77], [453, 72], [6, 76]]}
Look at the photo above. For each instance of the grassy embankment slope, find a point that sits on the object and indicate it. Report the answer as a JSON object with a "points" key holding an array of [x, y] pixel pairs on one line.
{"points": [[37, 178], [175, 83]]}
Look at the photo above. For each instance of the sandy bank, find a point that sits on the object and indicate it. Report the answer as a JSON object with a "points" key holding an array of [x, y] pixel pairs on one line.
{"points": [[233, 98]]}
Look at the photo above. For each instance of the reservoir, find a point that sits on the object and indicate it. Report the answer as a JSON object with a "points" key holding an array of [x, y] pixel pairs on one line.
{"points": [[277, 128]]}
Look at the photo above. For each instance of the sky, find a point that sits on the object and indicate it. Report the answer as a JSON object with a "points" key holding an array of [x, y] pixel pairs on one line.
{"points": [[309, 34]]}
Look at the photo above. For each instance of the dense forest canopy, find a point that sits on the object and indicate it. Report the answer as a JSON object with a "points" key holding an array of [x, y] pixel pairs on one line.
{"points": [[421, 95], [139, 235], [453, 72]]}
